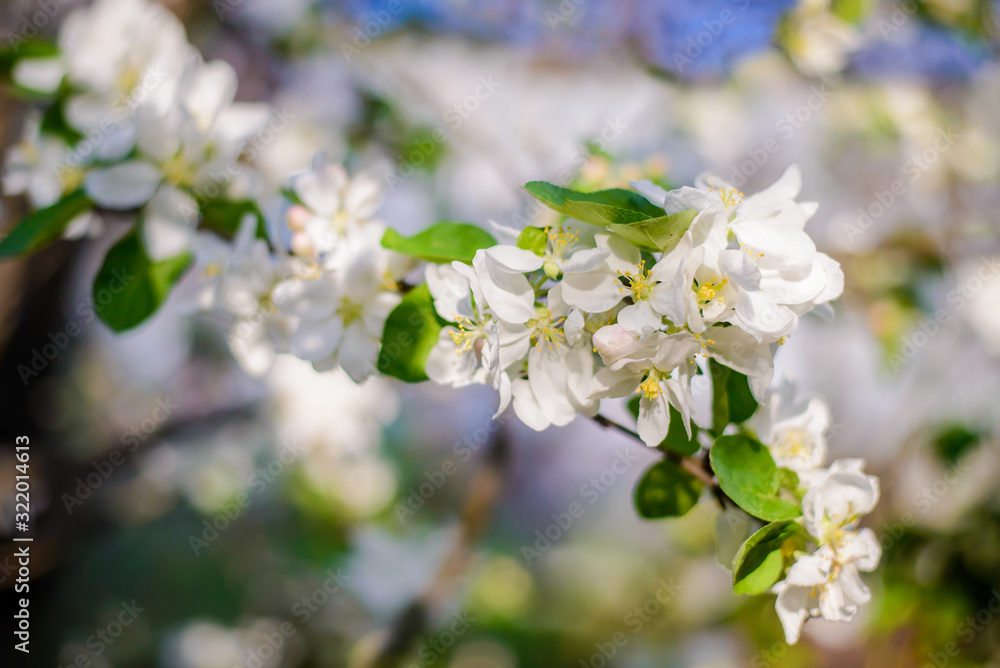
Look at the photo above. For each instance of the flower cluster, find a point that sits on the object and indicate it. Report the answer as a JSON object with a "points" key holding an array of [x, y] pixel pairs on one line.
{"points": [[529, 320], [826, 582], [147, 123], [327, 298], [625, 294]]}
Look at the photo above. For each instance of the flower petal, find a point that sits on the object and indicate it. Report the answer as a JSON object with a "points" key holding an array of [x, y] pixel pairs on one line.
{"points": [[125, 186]]}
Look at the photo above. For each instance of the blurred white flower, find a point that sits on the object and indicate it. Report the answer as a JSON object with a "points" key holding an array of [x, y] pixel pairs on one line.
{"points": [[827, 584], [186, 150], [793, 428], [341, 311], [333, 206]]}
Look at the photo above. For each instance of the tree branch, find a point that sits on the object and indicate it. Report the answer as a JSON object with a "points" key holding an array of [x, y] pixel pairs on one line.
{"points": [[698, 468], [396, 642]]}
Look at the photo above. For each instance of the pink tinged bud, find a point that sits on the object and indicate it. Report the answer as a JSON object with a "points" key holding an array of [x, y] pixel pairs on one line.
{"points": [[302, 245], [610, 340], [298, 217]]}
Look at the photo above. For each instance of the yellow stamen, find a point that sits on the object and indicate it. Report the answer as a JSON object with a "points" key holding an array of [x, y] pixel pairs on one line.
{"points": [[650, 388], [639, 282], [466, 334], [709, 290]]}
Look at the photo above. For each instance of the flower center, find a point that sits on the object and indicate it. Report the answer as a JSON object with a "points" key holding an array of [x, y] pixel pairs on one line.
{"points": [[178, 171], [709, 290], [794, 443], [349, 310], [71, 177], [547, 329], [466, 334], [559, 239], [730, 196], [128, 79], [651, 388], [638, 282]]}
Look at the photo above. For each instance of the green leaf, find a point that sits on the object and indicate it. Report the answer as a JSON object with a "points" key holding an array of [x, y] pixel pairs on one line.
{"points": [[292, 196], [32, 48], [533, 239], [677, 438], [659, 234], [720, 396], [602, 208], [411, 331], [953, 441], [54, 122], [45, 226], [749, 476], [761, 559], [788, 479], [130, 285], [742, 404], [443, 242], [666, 490], [225, 216], [732, 400]]}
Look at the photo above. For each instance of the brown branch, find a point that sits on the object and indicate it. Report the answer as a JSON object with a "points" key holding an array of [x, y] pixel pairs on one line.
{"points": [[395, 642], [698, 468]]}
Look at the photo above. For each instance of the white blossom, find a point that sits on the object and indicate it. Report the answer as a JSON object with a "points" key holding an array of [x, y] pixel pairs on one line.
{"points": [[827, 583], [794, 429]]}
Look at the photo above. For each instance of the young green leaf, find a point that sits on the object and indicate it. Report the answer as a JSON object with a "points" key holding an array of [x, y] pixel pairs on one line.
{"points": [[533, 239], [748, 475], [659, 234], [742, 404], [761, 560], [732, 400], [130, 286], [720, 396], [411, 331], [226, 216], [45, 226], [443, 242], [665, 490], [603, 208]]}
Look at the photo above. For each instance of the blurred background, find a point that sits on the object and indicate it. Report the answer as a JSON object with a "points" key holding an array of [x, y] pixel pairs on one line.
{"points": [[189, 516]]}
